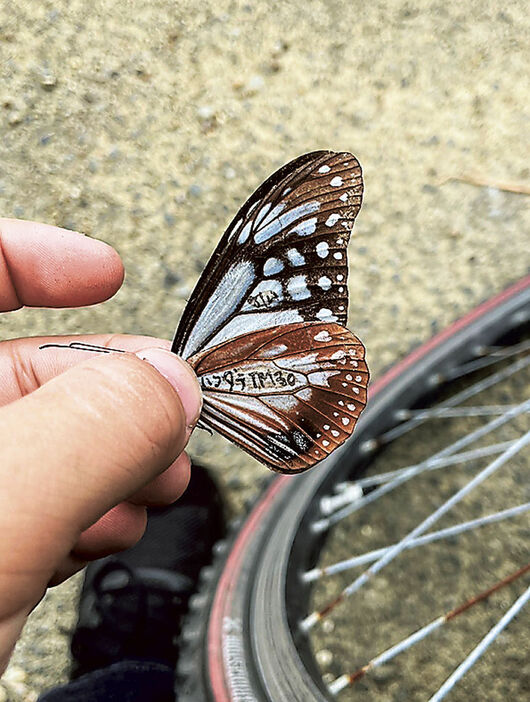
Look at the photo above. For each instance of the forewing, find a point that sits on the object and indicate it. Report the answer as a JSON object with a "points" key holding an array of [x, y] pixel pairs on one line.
{"points": [[283, 259], [288, 397]]}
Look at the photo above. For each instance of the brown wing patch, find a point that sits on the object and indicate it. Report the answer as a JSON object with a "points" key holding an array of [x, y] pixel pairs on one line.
{"points": [[287, 396]]}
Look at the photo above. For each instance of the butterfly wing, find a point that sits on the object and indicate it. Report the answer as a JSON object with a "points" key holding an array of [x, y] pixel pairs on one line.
{"points": [[288, 397], [282, 259]]}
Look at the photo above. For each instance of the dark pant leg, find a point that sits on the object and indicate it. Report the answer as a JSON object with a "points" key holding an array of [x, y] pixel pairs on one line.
{"points": [[126, 681]]}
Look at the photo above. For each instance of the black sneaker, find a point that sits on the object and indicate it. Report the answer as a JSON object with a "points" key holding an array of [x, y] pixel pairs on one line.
{"points": [[132, 603]]}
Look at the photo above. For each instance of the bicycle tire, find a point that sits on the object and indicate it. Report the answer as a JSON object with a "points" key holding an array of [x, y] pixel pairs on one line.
{"points": [[240, 642]]}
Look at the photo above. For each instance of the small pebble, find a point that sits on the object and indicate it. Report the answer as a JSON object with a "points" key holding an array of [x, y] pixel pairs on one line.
{"points": [[47, 79], [205, 112], [324, 657], [15, 117], [255, 84], [195, 190], [328, 625]]}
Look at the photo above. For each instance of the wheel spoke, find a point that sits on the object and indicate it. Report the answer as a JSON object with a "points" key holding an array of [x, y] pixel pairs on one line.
{"points": [[350, 678], [435, 464], [450, 412], [477, 652], [460, 397], [394, 551], [488, 357], [324, 524], [451, 531]]}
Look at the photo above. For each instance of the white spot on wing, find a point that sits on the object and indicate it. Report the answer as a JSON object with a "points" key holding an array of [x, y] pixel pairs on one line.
{"points": [[281, 402], [283, 221], [305, 228], [236, 226], [332, 219], [267, 231], [272, 214], [245, 323], [244, 233], [337, 255], [322, 249], [326, 315], [324, 169], [224, 301], [321, 377], [272, 266], [322, 336], [297, 288], [305, 394], [324, 282], [336, 182], [299, 364], [295, 257], [261, 214]]}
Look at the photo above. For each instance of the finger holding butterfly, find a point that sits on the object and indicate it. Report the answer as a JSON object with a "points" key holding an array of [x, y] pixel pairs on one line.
{"points": [[43, 265], [86, 442], [25, 367]]}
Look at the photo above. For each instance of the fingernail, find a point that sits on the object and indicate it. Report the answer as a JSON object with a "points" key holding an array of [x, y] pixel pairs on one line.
{"points": [[180, 375]]}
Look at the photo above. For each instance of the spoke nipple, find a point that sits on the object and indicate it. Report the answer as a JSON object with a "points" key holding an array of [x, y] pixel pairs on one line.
{"points": [[330, 504], [309, 622], [368, 446], [310, 575], [434, 380], [319, 526], [521, 317]]}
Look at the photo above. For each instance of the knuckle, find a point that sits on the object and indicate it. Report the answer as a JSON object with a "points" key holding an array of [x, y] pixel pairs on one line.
{"points": [[22, 371]]}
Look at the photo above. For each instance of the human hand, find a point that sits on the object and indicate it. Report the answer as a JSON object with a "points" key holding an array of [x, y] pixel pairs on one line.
{"points": [[86, 442]]}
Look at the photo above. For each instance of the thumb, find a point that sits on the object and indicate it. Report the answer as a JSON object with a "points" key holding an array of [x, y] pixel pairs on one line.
{"points": [[77, 446]]}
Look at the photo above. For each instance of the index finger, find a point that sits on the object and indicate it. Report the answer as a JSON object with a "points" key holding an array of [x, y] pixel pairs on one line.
{"points": [[46, 266]]}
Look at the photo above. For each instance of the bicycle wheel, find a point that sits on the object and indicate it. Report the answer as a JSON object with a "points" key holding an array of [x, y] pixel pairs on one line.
{"points": [[266, 612]]}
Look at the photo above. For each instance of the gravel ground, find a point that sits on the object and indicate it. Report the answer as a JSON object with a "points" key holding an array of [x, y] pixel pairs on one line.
{"points": [[148, 124]]}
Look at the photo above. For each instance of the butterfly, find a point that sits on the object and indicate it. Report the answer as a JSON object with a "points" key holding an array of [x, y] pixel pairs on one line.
{"points": [[264, 329]]}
